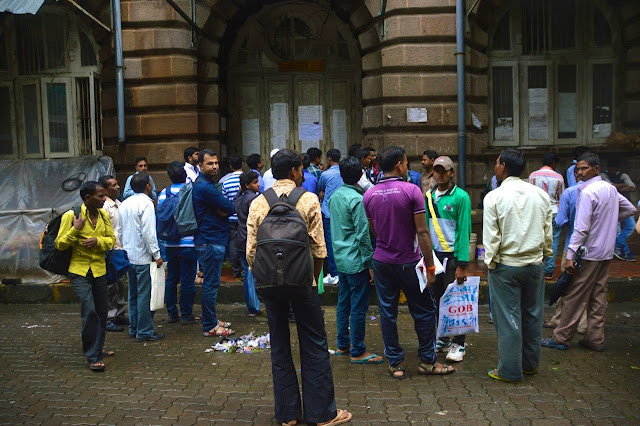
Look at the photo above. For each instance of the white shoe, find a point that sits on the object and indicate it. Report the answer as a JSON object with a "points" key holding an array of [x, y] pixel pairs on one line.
{"points": [[456, 353], [329, 280], [443, 346]]}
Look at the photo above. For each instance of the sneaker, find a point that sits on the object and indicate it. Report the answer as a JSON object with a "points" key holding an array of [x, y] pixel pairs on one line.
{"points": [[548, 277], [628, 257], [442, 346], [456, 353], [330, 280], [618, 254], [114, 327]]}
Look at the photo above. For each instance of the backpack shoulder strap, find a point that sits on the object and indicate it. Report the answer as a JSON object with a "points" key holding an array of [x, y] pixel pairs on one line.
{"points": [[295, 195], [271, 196]]}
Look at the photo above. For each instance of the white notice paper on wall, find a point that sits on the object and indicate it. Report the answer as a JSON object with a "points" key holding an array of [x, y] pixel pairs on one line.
{"points": [[476, 121], [310, 123], [538, 107], [250, 136], [417, 115], [279, 125], [602, 130], [339, 130]]}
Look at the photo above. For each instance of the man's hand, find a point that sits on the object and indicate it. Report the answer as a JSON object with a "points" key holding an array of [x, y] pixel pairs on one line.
{"points": [[461, 274], [89, 242], [159, 262], [569, 267], [431, 278], [78, 222], [222, 213], [371, 277]]}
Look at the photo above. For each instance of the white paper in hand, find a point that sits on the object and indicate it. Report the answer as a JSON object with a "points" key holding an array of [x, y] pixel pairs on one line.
{"points": [[421, 271]]}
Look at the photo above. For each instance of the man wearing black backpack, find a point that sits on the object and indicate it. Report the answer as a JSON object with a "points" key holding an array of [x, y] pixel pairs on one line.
{"points": [[89, 235], [181, 254], [284, 273]]}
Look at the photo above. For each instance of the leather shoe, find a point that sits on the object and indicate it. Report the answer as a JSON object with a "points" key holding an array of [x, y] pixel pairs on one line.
{"points": [[112, 326], [151, 338]]}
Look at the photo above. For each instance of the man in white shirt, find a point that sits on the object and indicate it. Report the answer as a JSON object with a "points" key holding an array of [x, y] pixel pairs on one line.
{"points": [[117, 313], [268, 175], [365, 158], [517, 234], [137, 233], [191, 163]]}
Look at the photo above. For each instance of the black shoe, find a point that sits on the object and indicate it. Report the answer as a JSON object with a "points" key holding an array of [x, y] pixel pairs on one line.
{"points": [[132, 335], [114, 327], [151, 338], [191, 320], [122, 321], [173, 320]]}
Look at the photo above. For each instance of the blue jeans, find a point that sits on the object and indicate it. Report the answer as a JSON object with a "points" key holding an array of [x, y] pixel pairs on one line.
{"points": [[210, 257], [250, 296], [140, 316], [351, 312], [625, 228], [550, 262], [389, 280], [326, 223], [182, 266]]}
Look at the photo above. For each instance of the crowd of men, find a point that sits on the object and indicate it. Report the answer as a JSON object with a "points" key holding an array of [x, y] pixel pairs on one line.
{"points": [[369, 220]]}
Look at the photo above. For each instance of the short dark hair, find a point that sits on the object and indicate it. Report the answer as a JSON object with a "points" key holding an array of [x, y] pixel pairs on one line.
{"points": [[104, 180], [591, 159], [235, 161], [350, 170], [334, 154], [204, 152], [283, 162], [361, 154], [549, 158], [430, 153], [253, 160], [89, 188], [579, 150], [370, 149], [176, 172], [513, 159], [139, 182], [306, 160], [140, 158], [353, 149], [314, 153], [246, 178], [390, 157], [189, 152]]}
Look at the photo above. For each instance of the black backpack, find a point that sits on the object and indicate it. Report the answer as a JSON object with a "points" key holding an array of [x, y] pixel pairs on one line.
{"points": [[52, 259], [283, 256]]}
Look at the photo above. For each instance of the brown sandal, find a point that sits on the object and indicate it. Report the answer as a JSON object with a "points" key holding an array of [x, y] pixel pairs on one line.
{"points": [[219, 331], [432, 370], [398, 368]]}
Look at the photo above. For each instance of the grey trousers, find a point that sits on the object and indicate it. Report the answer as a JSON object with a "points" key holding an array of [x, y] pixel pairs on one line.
{"points": [[517, 303]]}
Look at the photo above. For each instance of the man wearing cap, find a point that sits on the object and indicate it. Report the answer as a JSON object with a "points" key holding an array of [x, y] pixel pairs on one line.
{"points": [[268, 175], [449, 212]]}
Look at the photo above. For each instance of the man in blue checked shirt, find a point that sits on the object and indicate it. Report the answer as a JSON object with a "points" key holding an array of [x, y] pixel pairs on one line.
{"points": [[329, 181], [182, 261], [230, 189]]}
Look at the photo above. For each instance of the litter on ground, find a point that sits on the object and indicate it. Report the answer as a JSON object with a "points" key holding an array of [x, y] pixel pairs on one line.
{"points": [[247, 344]]}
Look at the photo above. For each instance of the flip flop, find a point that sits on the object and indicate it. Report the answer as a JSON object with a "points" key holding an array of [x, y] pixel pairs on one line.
{"points": [[335, 421], [495, 376], [549, 343], [530, 372], [338, 353], [96, 367], [107, 353], [366, 360]]}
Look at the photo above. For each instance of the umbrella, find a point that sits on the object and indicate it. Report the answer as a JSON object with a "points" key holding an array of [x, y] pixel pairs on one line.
{"points": [[565, 279]]}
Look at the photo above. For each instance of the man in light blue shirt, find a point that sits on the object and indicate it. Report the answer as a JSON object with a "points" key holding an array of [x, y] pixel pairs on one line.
{"points": [[571, 176], [310, 182], [141, 167], [329, 182]]}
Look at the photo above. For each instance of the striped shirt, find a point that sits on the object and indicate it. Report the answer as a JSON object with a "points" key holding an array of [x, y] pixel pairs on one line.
{"points": [[230, 189], [550, 182], [137, 229], [185, 241]]}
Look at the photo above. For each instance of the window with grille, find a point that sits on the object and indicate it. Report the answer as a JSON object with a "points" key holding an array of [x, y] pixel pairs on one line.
{"points": [[552, 73], [41, 41]]}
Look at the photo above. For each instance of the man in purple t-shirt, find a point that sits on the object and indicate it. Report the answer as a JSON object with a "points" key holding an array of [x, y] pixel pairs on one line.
{"points": [[396, 214]]}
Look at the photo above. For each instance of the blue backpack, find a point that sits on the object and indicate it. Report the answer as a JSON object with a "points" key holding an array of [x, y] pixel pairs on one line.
{"points": [[166, 226]]}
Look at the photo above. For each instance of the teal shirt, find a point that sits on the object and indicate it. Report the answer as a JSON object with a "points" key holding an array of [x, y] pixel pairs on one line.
{"points": [[352, 249]]}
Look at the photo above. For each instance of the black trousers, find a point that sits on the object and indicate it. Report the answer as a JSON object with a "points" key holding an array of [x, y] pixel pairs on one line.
{"points": [[317, 380], [92, 293], [442, 281]]}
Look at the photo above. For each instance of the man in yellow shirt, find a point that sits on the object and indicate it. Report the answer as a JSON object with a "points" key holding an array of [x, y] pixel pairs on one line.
{"points": [[88, 237]]}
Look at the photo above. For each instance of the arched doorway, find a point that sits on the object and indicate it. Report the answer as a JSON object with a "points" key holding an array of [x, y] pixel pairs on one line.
{"points": [[294, 81]]}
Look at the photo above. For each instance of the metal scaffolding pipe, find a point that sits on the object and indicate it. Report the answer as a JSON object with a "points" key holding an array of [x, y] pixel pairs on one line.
{"points": [[462, 116], [117, 32]]}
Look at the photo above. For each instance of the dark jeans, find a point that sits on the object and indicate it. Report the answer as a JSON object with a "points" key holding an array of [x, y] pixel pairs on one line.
{"points": [[333, 269], [442, 282], [389, 280], [182, 265], [117, 305], [92, 293], [351, 312], [140, 315], [232, 251], [317, 380], [517, 297], [210, 257]]}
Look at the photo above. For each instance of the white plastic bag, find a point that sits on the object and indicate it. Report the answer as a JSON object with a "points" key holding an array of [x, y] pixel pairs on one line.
{"points": [[421, 271], [459, 309], [157, 287]]}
